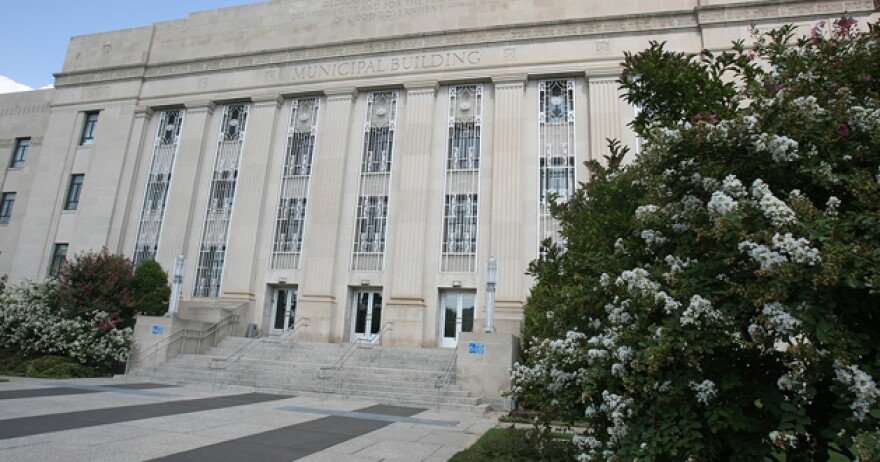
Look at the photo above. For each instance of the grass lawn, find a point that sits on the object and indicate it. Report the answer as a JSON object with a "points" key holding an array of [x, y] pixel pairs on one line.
{"points": [[509, 444]]}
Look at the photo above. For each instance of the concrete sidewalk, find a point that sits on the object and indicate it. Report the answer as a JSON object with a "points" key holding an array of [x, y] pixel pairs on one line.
{"points": [[116, 420]]}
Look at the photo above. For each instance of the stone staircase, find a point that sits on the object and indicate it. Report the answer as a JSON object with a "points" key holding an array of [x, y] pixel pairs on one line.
{"points": [[385, 375]]}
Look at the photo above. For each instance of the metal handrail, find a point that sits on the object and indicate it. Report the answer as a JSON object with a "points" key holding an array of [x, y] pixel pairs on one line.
{"points": [[182, 335], [340, 363], [235, 356], [142, 354], [244, 349], [442, 381]]}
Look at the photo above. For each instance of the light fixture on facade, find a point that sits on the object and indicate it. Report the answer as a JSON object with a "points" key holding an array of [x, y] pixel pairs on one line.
{"points": [[456, 283], [365, 282], [282, 280], [491, 281]]}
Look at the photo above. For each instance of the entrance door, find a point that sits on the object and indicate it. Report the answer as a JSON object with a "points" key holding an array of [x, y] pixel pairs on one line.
{"points": [[284, 310], [456, 316], [366, 315]]}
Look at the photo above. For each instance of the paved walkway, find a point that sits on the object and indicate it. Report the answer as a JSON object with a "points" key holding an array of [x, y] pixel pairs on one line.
{"points": [[98, 420]]}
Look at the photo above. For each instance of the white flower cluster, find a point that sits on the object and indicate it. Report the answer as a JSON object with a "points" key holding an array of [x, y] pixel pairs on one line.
{"points": [[779, 320], [676, 264], [704, 390], [637, 280], [653, 238], [798, 249], [865, 119], [781, 148], [698, 311], [831, 207], [783, 440], [721, 204], [861, 385], [645, 212], [774, 209], [30, 326], [733, 187], [786, 248], [809, 105]]}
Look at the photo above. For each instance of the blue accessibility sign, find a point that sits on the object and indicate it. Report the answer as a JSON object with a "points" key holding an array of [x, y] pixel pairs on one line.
{"points": [[477, 348], [158, 330]]}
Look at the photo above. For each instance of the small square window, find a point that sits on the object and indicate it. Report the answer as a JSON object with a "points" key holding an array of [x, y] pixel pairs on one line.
{"points": [[59, 255], [19, 154], [8, 200], [88, 131], [73, 192]]}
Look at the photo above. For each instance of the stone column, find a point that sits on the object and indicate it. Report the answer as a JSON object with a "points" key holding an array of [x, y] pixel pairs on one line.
{"points": [[246, 225], [321, 236], [605, 117], [508, 194], [406, 304], [181, 209], [127, 206]]}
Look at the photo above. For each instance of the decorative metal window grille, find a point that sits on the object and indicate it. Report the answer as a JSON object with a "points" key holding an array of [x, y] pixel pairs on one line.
{"points": [[557, 152], [290, 218], [371, 225], [158, 182], [459, 239], [368, 247], [460, 233], [212, 250]]}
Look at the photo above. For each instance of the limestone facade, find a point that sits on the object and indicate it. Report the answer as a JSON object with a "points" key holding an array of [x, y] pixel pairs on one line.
{"points": [[359, 159]]}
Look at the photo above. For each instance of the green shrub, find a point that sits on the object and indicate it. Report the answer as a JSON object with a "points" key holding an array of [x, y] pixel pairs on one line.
{"points": [[12, 362], [97, 281], [58, 367], [725, 308], [151, 290], [32, 326]]}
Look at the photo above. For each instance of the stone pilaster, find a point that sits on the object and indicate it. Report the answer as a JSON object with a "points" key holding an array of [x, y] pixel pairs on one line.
{"points": [[182, 209], [127, 207], [605, 116], [406, 305], [508, 220], [250, 191], [321, 245]]}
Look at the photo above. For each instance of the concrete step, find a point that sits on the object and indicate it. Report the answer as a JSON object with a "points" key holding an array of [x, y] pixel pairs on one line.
{"points": [[381, 374]]}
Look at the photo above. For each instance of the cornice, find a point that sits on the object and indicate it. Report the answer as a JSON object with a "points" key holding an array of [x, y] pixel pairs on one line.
{"points": [[755, 11], [551, 30]]}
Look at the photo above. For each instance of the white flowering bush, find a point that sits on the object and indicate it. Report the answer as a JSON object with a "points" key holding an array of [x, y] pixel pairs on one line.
{"points": [[30, 323], [719, 298]]}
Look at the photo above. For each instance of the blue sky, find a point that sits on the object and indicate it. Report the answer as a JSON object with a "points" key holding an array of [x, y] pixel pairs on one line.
{"points": [[35, 33]]}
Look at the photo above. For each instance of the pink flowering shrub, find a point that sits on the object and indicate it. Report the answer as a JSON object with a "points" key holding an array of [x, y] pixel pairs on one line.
{"points": [[719, 299]]}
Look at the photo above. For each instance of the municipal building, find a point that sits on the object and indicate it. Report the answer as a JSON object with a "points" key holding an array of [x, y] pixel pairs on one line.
{"points": [[352, 162]]}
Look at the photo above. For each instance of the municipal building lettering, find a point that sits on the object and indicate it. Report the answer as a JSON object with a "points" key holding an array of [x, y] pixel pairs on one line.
{"points": [[386, 64]]}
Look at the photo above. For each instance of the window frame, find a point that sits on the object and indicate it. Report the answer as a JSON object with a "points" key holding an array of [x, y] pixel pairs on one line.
{"points": [[6, 211], [90, 123], [74, 191], [58, 258], [19, 152]]}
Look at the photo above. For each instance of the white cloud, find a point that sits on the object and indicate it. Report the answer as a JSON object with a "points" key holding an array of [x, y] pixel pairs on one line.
{"points": [[8, 85]]}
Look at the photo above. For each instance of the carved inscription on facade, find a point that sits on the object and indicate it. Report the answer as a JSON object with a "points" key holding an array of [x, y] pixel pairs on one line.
{"points": [[389, 64], [367, 11]]}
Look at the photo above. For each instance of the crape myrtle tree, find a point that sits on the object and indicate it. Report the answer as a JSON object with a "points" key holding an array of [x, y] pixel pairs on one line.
{"points": [[718, 298]]}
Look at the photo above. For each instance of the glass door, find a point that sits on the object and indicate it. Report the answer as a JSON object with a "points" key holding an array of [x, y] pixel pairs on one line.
{"points": [[366, 315], [283, 312], [456, 316]]}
